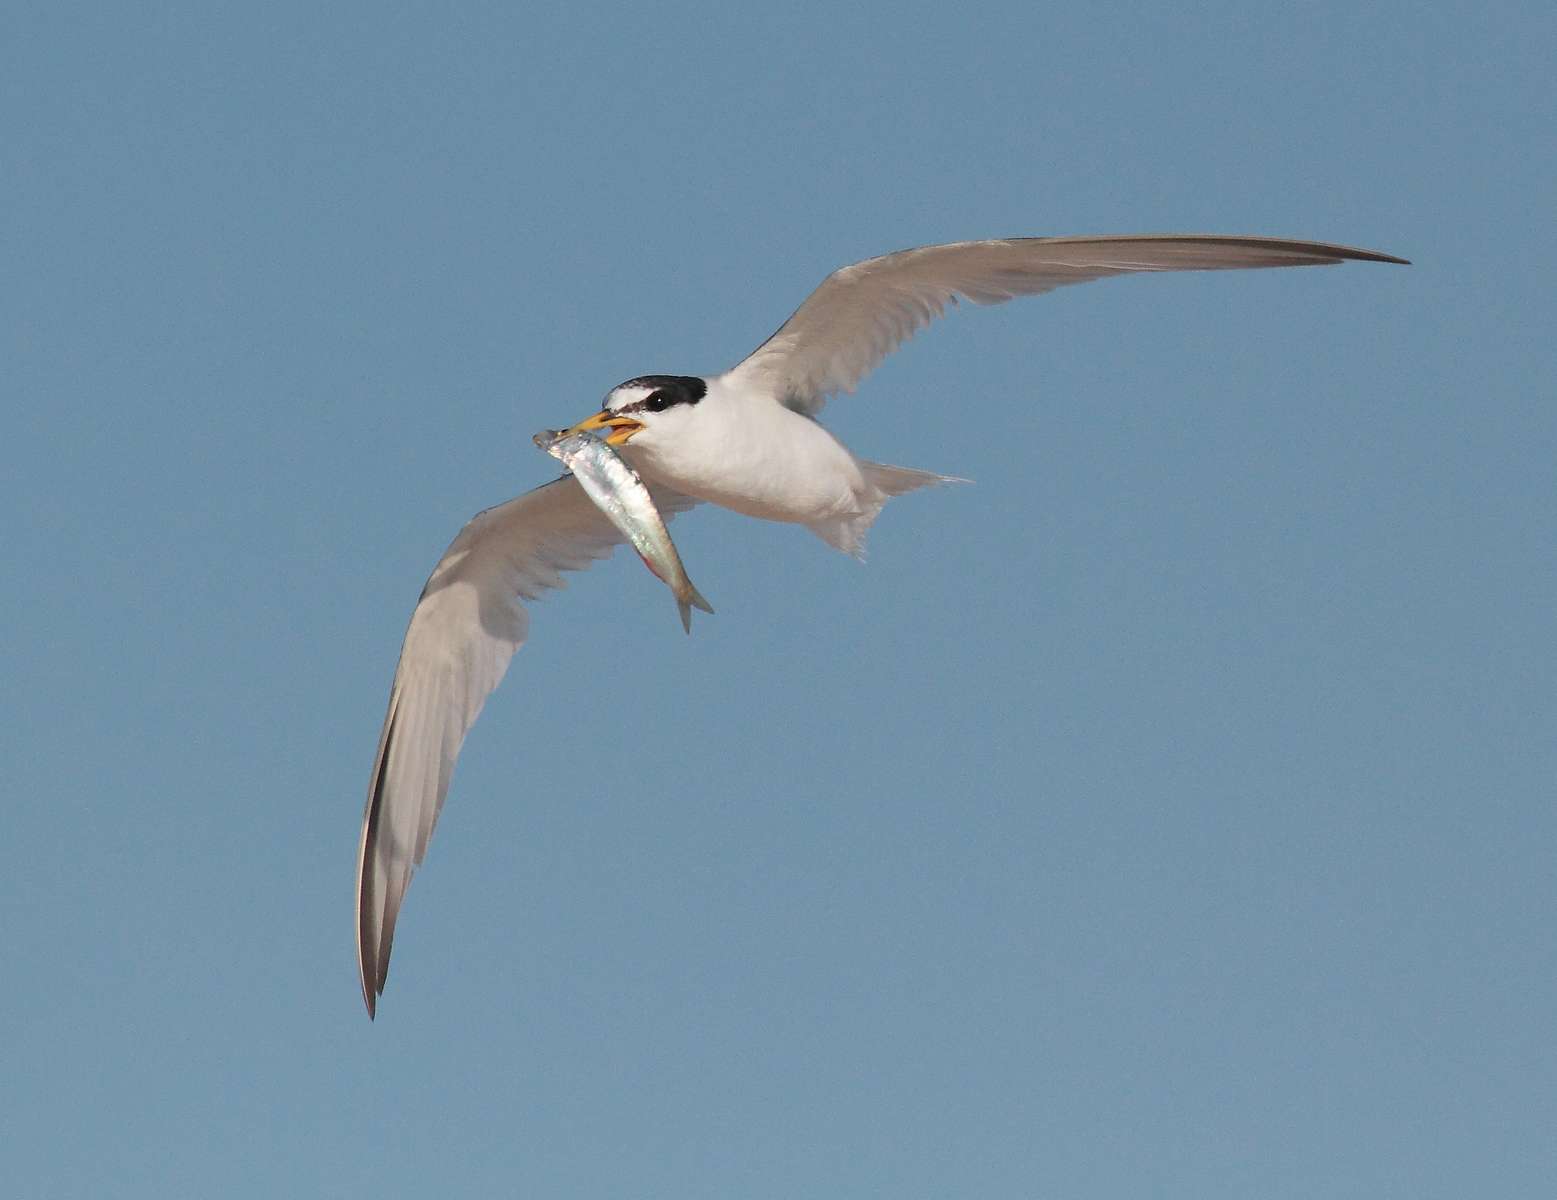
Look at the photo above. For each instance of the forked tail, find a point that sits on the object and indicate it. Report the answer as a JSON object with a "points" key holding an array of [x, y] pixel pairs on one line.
{"points": [[894, 481], [686, 600], [848, 533]]}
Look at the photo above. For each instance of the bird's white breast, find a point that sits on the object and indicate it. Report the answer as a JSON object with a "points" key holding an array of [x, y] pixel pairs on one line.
{"points": [[751, 454]]}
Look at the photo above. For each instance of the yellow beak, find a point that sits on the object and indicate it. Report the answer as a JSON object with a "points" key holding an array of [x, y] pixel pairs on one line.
{"points": [[622, 428]]}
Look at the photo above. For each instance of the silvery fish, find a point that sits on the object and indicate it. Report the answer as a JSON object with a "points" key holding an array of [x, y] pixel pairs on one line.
{"points": [[621, 495]]}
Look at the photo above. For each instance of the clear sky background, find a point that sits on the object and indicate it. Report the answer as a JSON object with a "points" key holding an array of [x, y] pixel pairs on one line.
{"points": [[1167, 814]]}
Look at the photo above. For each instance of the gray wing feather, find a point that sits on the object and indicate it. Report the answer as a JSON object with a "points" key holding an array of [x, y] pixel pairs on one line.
{"points": [[465, 629], [863, 312]]}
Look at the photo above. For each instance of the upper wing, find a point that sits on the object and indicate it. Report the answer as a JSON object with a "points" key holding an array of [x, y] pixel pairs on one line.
{"points": [[861, 313], [467, 625]]}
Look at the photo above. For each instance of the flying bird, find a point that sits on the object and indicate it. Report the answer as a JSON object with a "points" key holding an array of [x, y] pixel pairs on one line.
{"points": [[747, 439]]}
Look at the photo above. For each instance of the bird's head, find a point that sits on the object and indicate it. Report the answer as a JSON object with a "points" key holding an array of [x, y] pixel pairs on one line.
{"points": [[647, 407]]}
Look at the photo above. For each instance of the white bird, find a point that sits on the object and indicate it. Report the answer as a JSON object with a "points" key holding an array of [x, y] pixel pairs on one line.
{"points": [[748, 440]]}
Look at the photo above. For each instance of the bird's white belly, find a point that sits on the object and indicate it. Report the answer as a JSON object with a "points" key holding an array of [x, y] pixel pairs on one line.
{"points": [[777, 465]]}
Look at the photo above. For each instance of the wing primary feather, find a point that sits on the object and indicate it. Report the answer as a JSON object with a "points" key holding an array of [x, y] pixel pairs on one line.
{"points": [[861, 313], [467, 623], [370, 888]]}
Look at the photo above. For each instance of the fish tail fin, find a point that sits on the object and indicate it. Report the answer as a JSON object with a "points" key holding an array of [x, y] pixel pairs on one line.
{"points": [[687, 600]]}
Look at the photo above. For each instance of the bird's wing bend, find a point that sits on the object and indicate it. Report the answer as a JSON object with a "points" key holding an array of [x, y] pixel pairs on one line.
{"points": [[467, 625], [861, 313]]}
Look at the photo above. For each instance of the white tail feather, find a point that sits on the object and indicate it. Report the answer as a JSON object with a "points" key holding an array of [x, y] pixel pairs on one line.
{"points": [[848, 533]]}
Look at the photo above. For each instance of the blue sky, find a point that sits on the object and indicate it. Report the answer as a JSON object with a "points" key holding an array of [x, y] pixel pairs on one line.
{"points": [[1168, 813]]}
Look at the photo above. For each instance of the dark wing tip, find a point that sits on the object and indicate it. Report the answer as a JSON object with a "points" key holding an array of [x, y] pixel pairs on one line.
{"points": [[1325, 251], [373, 944], [1358, 255]]}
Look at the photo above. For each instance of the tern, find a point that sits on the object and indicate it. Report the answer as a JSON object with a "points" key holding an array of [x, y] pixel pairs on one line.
{"points": [[747, 439]]}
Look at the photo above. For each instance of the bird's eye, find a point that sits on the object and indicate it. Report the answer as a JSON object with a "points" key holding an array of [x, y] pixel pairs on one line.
{"points": [[657, 402]]}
